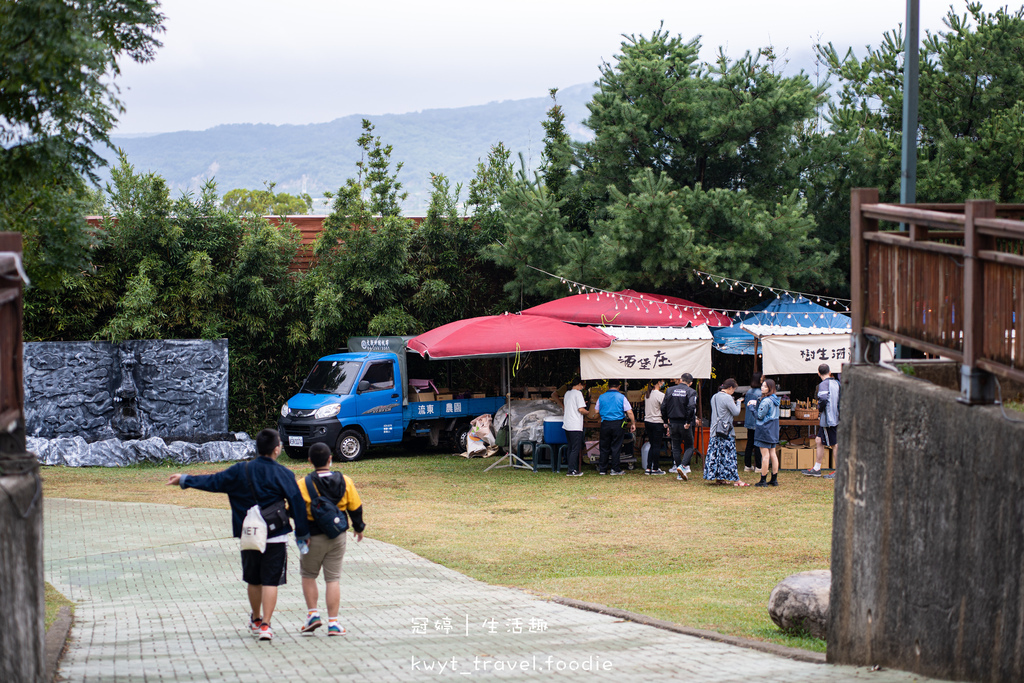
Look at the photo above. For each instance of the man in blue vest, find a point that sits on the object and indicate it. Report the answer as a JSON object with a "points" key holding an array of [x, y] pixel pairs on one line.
{"points": [[613, 408]]}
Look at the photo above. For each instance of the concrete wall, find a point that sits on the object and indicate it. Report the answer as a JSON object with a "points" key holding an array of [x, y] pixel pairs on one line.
{"points": [[928, 532]]}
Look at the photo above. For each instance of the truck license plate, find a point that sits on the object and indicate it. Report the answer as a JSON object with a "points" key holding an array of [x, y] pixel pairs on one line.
{"points": [[294, 440]]}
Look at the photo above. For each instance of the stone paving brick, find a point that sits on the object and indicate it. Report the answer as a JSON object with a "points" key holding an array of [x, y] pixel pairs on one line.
{"points": [[160, 598]]}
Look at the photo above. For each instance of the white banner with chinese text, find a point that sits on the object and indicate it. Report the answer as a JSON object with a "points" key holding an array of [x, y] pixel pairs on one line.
{"points": [[663, 359], [802, 354]]}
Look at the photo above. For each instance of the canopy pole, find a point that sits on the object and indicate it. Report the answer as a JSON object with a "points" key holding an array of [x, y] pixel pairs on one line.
{"points": [[755, 354], [514, 460]]}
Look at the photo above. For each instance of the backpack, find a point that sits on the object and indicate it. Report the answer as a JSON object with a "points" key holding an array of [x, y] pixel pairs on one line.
{"points": [[332, 521]]}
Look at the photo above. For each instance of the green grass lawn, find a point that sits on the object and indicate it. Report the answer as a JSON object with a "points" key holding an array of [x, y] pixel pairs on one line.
{"points": [[696, 554], [54, 601]]}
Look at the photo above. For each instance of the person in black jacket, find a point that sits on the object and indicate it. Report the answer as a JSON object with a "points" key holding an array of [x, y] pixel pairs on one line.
{"points": [[327, 553], [679, 411], [272, 483]]}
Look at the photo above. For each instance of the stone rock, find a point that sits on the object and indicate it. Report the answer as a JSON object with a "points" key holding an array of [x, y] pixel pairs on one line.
{"points": [[799, 604]]}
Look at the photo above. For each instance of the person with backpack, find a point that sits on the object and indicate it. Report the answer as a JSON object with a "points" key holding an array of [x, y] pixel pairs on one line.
{"points": [[266, 483], [331, 499], [828, 418]]}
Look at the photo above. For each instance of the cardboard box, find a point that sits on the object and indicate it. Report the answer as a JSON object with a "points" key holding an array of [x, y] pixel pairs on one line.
{"points": [[479, 394], [741, 433], [741, 447], [805, 458], [421, 396], [787, 458], [444, 397]]}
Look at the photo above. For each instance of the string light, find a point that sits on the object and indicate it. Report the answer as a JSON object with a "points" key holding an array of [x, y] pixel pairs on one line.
{"points": [[698, 312], [706, 277]]}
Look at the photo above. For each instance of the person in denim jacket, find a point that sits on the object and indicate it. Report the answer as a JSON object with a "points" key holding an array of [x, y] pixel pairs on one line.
{"points": [[766, 432], [751, 455]]}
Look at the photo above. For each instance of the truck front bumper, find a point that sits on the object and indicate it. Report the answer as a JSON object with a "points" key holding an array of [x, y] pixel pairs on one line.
{"points": [[299, 433]]}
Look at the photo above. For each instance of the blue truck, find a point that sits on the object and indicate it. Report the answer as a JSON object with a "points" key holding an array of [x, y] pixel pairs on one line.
{"points": [[351, 401]]}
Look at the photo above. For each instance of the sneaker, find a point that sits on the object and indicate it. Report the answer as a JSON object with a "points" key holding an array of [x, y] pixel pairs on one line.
{"points": [[812, 473], [575, 474], [266, 633], [254, 626], [673, 468], [681, 475], [657, 472], [748, 469], [312, 624], [686, 470], [602, 472], [616, 473], [647, 472], [336, 630], [830, 476]]}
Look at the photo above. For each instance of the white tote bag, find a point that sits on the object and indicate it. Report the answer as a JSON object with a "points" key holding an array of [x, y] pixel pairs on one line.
{"points": [[254, 531]]}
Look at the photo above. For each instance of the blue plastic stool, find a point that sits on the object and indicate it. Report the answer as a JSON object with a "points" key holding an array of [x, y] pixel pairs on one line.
{"points": [[533, 450], [539, 459]]}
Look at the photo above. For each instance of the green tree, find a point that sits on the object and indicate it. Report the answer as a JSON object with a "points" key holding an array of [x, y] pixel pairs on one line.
{"points": [[361, 271], [970, 115], [58, 102], [692, 165], [266, 203], [727, 125]]}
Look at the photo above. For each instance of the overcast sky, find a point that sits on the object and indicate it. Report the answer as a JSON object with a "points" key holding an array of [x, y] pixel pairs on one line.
{"points": [[310, 61]]}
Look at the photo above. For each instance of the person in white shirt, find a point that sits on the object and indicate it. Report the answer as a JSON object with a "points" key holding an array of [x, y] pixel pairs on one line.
{"points": [[572, 423], [654, 426]]}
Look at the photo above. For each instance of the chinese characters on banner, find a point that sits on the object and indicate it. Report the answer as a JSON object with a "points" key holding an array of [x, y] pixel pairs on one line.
{"points": [[648, 359]]}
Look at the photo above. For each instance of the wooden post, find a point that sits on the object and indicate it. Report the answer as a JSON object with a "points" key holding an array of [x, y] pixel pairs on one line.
{"points": [[21, 506], [859, 196], [976, 386]]}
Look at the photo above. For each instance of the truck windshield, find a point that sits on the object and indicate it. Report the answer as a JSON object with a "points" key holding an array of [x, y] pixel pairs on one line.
{"points": [[331, 377]]}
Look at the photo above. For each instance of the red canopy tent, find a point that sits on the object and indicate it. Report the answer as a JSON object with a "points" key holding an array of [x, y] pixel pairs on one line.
{"points": [[629, 307], [503, 335]]}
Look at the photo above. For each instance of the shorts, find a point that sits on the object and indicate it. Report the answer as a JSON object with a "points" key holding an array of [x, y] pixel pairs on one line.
{"points": [[324, 553], [267, 568], [827, 435]]}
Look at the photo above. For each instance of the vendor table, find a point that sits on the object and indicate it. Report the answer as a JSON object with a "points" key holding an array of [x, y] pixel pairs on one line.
{"points": [[790, 430]]}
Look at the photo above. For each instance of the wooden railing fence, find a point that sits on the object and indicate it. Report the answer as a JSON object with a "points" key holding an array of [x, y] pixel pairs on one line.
{"points": [[950, 284]]}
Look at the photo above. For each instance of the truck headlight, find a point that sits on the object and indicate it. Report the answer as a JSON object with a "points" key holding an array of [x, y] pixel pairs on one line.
{"points": [[285, 410], [329, 410]]}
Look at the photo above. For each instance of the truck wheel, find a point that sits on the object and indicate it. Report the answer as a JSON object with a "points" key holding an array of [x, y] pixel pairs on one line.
{"points": [[460, 438], [351, 446]]}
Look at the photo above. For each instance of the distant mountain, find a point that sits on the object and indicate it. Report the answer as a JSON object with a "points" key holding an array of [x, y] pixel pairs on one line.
{"points": [[318, 157]]}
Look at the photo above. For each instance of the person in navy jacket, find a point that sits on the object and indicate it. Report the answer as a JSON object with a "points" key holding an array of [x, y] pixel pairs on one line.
{"points": [[272, 482]]}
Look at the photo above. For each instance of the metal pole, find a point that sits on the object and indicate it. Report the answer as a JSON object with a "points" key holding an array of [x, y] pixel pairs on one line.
{"points": [[908, 174]]}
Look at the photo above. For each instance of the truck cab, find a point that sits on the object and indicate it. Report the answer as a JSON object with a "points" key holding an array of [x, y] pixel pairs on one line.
{"points": [[348, 401]]}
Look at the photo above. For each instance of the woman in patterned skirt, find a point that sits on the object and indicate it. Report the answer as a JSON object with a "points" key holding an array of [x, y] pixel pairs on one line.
{"points": [[720, 463]]}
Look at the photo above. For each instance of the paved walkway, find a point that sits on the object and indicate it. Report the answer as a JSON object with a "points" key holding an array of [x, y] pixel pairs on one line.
{"points": [[160, 598]]}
